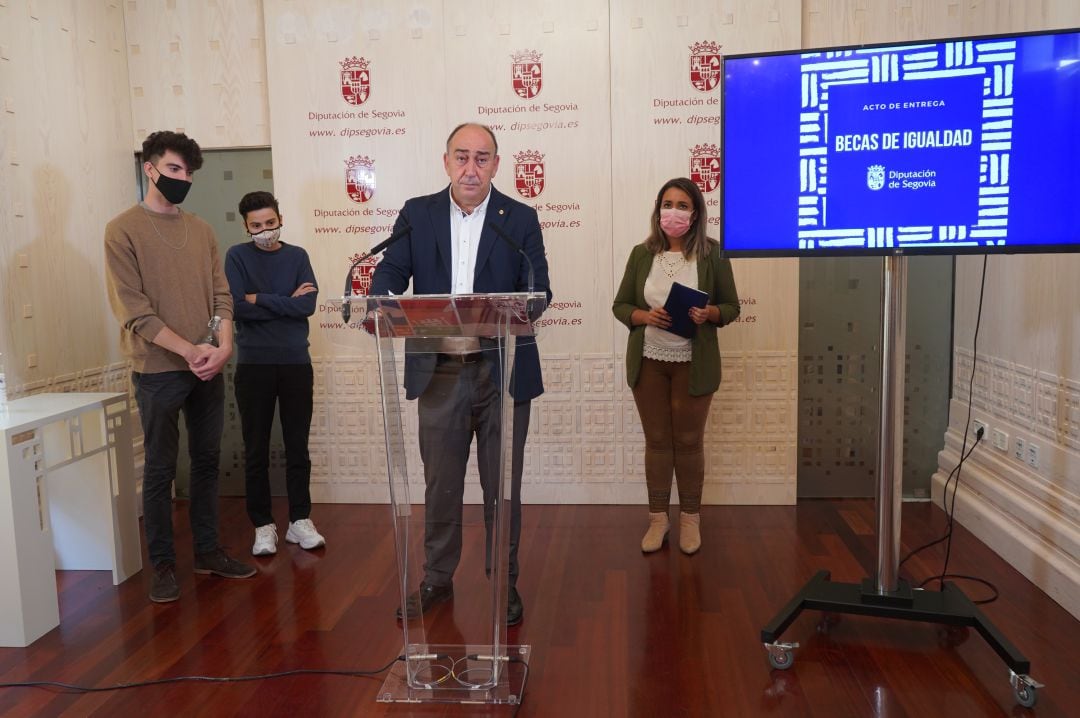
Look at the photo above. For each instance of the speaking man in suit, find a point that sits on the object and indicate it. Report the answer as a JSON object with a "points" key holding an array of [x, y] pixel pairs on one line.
{"points": [[454, 248]]}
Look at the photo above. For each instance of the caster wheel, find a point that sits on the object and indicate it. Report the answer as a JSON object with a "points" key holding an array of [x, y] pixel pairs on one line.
{"points": [[781, 660], [1026, 695]]}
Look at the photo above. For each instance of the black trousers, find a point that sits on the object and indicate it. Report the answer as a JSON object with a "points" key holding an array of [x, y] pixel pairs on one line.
{"points": [[259, 389], [462, 401], [161, 397]]}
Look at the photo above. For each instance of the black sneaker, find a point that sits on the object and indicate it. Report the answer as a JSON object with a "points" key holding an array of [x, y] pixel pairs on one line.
{"points": [[163, 586], [425, 598], [515, 609], [219, 564]]}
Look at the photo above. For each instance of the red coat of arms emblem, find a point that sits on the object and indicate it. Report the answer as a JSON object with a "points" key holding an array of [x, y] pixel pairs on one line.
{"points": [[529, 173], [705, 167], [361, 274], [705, 66], [528, 74], [355, 80], [360, 178]]}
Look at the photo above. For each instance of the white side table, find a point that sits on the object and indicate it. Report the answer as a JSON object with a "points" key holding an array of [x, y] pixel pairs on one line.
{"points": [[67, 501]]}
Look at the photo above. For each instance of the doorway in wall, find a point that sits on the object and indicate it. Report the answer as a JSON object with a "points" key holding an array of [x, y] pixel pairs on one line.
{"points": [[225, 177]]}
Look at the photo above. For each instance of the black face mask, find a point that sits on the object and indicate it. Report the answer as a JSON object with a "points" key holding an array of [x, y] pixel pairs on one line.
{"points": [[172, 189]]}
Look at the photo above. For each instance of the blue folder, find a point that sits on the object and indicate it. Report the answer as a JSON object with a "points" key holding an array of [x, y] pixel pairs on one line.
{"points": [[679, 301]]}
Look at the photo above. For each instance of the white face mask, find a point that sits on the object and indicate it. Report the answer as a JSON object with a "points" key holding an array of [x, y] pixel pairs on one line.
{"points": [[267, 238]]}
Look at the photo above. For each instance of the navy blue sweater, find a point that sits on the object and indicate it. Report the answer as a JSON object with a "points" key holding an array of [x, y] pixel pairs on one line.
{"points": [[273, 330]]}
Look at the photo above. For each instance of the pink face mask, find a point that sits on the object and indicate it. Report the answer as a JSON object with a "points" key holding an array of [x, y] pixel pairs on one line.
{"points": [[675, 222]]}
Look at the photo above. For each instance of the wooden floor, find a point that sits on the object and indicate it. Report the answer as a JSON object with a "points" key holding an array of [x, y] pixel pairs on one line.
{"points": [[613, 632]]}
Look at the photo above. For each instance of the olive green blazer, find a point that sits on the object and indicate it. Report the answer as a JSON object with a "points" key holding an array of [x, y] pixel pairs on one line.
{"points": [[714, 277]]}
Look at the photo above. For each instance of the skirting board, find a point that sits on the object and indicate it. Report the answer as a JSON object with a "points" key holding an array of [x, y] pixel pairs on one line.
{"points": [[1003, 518]]}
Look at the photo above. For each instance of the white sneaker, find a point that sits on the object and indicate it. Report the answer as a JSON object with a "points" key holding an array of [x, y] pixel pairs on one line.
{"points": [[265, 540], [303, 532]]}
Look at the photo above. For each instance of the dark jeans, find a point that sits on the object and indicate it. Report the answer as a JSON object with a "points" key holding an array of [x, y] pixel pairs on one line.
{"points": [[259, 388], [161, 397], [462, 401]]}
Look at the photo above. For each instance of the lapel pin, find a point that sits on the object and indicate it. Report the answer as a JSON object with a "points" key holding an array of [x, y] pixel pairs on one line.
{"points": [[502, 211]]}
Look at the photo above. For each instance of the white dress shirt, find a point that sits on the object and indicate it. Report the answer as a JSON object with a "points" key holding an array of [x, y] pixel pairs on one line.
{"points": [[465, 232], [465, 229]]}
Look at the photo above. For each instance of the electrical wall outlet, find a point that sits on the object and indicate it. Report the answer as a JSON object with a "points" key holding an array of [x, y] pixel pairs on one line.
{"points": [[1000, 439], [1033, 456], [1019, 449], [976, 425]]}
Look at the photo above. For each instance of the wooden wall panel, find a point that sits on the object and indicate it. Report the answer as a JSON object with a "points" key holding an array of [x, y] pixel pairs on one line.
{"points": [[65, 170], [198, 66]]}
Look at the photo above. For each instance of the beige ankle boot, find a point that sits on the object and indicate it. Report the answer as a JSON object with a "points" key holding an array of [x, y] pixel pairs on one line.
{"points": [[689, 532], [657, 533]]}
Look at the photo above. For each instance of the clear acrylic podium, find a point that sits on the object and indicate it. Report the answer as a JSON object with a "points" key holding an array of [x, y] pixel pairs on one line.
{"points": [[457, 651]]}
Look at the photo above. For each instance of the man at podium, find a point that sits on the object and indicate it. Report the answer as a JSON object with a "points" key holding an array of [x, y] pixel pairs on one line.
{"points": [[462, 242]]}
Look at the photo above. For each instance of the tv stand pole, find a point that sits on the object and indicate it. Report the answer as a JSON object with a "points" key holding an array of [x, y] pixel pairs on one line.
{"points": [[887, 595]]}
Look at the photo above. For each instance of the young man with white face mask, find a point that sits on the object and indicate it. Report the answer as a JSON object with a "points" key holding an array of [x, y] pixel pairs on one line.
{"points": [[274, 292]]}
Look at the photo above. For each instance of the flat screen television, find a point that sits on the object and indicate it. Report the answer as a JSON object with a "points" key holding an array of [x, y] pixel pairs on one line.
{"points": [[968, 145]]}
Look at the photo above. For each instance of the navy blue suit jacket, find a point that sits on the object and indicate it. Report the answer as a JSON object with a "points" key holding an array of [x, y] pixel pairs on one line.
{"points": [[425, 258]]}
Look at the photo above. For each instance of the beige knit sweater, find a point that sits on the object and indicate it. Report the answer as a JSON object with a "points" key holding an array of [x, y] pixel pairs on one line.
{"points": [[163, 270]]}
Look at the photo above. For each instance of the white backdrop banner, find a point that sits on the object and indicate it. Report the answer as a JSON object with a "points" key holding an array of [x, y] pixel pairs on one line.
{"points": [[594, 106]]}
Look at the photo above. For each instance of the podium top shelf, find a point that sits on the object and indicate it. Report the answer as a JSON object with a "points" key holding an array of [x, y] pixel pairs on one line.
{"points": [[449, 315]]}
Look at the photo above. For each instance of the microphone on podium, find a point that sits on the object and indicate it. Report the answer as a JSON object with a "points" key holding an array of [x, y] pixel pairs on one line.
{"points": [[346, 306], [517, 247]]}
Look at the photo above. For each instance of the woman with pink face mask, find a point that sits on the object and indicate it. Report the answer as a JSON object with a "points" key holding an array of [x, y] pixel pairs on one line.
{"points": [[672, 377]]}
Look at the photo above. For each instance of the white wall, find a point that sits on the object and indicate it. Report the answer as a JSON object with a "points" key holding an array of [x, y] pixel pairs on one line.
{"points": [[1026, 385]]}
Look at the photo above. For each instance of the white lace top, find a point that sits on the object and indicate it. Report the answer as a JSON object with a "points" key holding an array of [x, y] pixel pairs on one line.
{"points": [[667, 268]]}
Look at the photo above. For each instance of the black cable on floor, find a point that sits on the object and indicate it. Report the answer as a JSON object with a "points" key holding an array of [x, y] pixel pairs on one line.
{"points": [[200, 679], [962, 577]]}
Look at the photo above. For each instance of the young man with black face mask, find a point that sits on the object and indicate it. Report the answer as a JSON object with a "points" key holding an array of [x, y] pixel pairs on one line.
{"points": [[166, 285], [274, 292]]}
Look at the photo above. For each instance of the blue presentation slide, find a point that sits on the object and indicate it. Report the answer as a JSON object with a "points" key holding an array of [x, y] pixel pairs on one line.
{"points": [[964, 145]]}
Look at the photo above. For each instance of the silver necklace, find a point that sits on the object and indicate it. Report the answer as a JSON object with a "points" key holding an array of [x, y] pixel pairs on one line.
{"points": [[671, 267], [158, 232]]}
